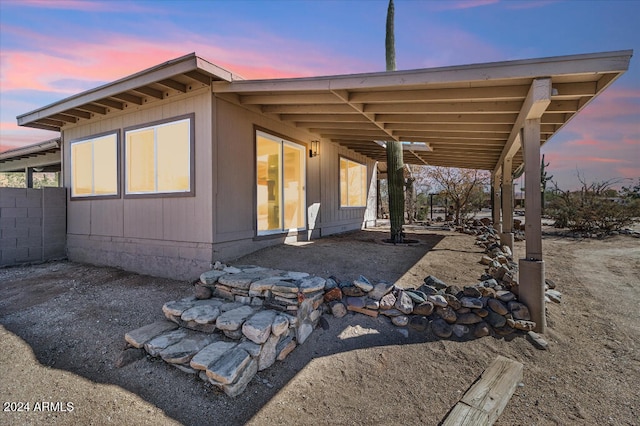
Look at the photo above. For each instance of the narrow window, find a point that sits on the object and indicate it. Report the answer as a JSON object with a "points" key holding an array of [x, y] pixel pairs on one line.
{"points": [[353, 183], [159, 158], [94, 166], [280, 185]]}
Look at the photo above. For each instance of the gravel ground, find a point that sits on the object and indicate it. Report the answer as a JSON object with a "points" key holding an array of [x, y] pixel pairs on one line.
{"points": [[62, 326]]}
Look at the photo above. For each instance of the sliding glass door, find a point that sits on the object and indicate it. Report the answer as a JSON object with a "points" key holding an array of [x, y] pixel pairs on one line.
{"points": [[280, 181]]}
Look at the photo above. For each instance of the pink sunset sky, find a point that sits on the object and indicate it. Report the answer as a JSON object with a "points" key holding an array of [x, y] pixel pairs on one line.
{"points": [[52, 49]]}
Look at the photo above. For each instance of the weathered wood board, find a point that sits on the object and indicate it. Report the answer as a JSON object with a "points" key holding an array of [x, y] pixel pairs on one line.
{"points": [[485, 400]]}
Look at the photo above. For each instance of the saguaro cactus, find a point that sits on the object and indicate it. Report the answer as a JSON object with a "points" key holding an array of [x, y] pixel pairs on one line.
{"points": [[395, 161]]}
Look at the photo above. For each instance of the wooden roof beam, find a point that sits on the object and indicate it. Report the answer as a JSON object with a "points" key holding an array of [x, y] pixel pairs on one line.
{"points": [[446, 108], [78, 113], [534, 106], [128, 97], [503, 93], [150, 91], [344, 96], [94, 108], [64, 117], [195, 75], [448, 118], [174, 84], [443, 128], [290, 99], [110, 103]]}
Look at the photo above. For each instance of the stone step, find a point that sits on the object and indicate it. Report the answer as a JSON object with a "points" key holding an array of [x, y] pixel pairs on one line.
{"points": [[232, 320], [182, 351], [210, 354], [229, 366], [137, 338]]}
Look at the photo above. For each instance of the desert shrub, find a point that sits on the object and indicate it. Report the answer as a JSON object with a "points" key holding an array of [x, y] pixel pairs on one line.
{"points": [[594, 208]]}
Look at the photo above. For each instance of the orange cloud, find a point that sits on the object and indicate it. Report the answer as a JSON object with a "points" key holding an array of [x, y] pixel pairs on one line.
{"points": [[90, 63]]}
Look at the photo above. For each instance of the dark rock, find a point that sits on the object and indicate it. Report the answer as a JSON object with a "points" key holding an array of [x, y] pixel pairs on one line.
{"points": [[469, 318], [363, 283], [356, 302], [481, 330], [425, 309], [496, 320], [537, 340], [452, 301], [503, 331], [324, 323], [519, 311], [441, 328], [453, 289], [487, 292], [471, 291], [497, 306], [435, 282], [353, 291], [482, 313], [447, 314], [428, 290], [471, 302], [202, 292], [400, 320], [460, 330], [419, 323], [417, 296], [330, 284]]}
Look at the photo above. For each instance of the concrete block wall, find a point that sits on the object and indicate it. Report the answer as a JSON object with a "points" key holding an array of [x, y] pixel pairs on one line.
{"points": [[33, 225]]}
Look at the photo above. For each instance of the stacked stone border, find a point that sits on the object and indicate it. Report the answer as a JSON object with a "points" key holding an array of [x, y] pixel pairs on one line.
{"points": [[244, 318]]}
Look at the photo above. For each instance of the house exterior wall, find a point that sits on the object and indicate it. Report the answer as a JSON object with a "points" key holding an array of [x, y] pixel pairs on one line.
{"points": [[32, 225], [235, 231], [179, 237], [161, 236]]}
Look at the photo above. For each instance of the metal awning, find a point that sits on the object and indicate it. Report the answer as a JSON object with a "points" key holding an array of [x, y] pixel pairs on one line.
{"points": [[461, 116]]}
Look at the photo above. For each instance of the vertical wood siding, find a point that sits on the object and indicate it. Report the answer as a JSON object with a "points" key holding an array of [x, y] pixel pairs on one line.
{"points": [[185, 219]]}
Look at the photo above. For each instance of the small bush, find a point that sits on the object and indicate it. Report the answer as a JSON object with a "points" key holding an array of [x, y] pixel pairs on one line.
{"points": [[594, 208]]}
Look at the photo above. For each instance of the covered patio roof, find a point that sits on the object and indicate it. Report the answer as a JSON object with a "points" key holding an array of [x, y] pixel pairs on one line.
{"points": [[461, 116], [467, 116], [45, 156]]}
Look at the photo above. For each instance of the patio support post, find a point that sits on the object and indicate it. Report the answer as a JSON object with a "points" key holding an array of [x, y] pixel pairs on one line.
{"points": [[495, 201], [506, 237], [28, 177], [532, 266]]}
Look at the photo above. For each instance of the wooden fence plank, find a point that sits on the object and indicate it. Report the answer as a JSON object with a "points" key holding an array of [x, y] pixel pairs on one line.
{"points": [[489, 394]]}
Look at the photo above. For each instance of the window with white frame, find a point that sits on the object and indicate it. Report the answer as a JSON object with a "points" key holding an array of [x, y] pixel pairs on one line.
{"points": [[159, 158], [353, 183], [94, 166]]}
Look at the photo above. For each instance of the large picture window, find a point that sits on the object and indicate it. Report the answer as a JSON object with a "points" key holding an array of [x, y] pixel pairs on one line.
{"points": [[94, 166], [159, 158], [353, 183], [281, 195]]}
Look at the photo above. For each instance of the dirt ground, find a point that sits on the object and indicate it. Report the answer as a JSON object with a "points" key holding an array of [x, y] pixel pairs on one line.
{"points": [[62, 326]]}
